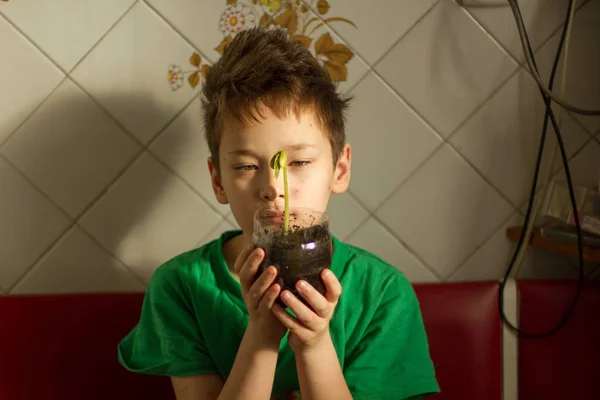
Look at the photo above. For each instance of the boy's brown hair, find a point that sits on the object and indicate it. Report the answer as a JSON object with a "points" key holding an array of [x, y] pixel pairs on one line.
{"points": [[268, 68]]}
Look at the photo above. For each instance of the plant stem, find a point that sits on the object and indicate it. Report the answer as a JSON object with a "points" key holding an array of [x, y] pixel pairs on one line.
{"points": [[286, 208]]}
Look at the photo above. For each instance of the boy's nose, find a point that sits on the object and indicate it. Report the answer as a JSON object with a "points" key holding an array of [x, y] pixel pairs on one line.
{"points": [[270, 190], [268, 193]]}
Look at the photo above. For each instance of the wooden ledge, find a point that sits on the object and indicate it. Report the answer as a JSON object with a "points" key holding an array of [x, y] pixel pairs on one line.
{"points": [[590, 253]]}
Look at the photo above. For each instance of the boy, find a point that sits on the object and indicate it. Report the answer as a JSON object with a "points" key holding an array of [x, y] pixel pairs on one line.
{"points": [[217, 331]]}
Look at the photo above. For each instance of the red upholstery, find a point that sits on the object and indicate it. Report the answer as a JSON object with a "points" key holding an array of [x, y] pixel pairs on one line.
{"points": [[64, 348], [565, 365], [465, 337]]}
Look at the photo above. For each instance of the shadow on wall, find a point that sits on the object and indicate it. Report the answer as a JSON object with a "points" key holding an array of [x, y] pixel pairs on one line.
{"points": [[106, 191]]}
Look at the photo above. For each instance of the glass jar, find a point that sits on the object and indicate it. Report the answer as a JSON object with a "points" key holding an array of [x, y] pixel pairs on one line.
{"points": [[301, 253]]}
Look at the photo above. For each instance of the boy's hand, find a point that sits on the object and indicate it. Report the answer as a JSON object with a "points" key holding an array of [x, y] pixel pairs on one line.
{"points": [[259, 295], [310, 328]]}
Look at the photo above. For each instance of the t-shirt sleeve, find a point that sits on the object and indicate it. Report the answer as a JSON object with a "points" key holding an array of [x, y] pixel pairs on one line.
{"points": [[392, 359], [167, 339]]}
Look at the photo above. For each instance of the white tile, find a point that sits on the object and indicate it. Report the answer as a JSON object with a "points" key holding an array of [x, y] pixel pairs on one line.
{"points": [[541, 18], [374, 27], [127, 72], [446, 66], [373, 237], [388, 141], [70, 148], [224, 226], [583, 63], [78, 265], [148, 216], [492, 259], [26, 78], [65, 29], [200, 21], [444, 211], [30, 224], [502, 138], [345, 214], [344, 66], [183, 148]]}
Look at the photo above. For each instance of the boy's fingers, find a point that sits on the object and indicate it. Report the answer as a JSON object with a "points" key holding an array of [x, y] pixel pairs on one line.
{"points": [[270, 297], [332, 285], [320, 305], [303, 313], [248, 270], [239, 262], [258, 288], [286, 319]]}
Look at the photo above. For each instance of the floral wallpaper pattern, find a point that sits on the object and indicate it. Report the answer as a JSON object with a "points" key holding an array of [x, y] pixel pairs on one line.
{"points": [[296, 17]]}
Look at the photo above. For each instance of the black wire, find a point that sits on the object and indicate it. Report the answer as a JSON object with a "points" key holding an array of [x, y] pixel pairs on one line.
{"points": [[549, 114], [521, 29]]}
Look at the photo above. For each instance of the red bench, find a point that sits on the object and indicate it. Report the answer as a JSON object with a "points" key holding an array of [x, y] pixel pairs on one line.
{"points": [[565, 365], [465, 338], [63, 347]]}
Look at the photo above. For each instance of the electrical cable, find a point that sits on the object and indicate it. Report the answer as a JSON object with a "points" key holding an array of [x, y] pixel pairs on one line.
{"points": [[533, 68], [546, 184], [549, 114]]}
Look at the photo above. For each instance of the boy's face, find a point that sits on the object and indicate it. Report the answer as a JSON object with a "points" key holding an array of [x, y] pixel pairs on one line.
{"points": [[247, 182]]}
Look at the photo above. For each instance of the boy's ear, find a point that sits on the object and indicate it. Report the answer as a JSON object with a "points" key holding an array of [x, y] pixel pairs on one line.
{"points": [[217, 184], [341, 174]]}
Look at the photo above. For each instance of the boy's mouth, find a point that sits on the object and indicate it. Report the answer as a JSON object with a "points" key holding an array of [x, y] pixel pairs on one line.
{"points": [[278, 216]]}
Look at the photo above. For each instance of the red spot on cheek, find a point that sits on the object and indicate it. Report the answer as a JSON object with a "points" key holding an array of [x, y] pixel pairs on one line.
{"points": [[294, 192]]}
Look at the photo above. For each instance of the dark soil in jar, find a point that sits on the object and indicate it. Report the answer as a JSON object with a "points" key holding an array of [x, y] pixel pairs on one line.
{"points": [[299, 254]]}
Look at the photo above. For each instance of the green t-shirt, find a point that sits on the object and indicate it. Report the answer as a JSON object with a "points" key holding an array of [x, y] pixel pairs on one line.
{"points": [[194, 317]]}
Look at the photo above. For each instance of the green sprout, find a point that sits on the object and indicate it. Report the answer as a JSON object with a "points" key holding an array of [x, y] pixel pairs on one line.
{"points": [[279, 162]]}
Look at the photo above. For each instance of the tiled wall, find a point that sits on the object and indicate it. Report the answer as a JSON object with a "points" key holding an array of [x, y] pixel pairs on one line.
{"points": [[103, 164]]}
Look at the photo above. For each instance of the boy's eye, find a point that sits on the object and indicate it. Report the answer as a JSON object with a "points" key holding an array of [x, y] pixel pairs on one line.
{"points": [[247, 167], [299, 163]]}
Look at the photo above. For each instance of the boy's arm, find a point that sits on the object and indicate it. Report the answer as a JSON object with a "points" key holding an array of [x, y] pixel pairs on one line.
{"points": [[168, 341], [253, 370], [251, 376], [320, 374], [195, 387]]}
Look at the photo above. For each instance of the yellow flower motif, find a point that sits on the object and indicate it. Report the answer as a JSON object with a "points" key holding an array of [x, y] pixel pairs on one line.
{"points": [[295, 18], [236, 18], [175, 76], [273, 5]]}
